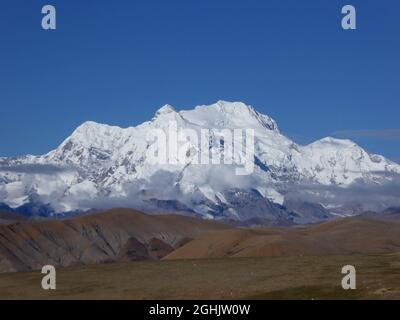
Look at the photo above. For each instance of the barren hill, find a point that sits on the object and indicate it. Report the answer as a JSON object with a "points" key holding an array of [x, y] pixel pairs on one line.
{"points": [[118, 234], [128, 235], [343, 236]]}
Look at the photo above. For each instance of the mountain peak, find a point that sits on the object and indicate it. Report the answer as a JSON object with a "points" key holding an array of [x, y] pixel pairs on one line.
{"points": [[89, 128], [230, 114], [93, 134], [335, 141], [89, 125], [232, 106], [165, 110]]}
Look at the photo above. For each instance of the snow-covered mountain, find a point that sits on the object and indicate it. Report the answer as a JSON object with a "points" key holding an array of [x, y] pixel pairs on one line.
{"points": [[101, 166]]}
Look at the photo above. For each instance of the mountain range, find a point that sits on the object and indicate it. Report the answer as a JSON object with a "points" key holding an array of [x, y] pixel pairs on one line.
{"points": [[100, 166]]}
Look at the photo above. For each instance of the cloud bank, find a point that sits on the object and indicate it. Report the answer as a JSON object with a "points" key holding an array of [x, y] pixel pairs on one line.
{"points": [[358, 197]]}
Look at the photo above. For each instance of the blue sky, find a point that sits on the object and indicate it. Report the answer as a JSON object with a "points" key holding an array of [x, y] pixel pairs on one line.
{"points": [[117, 62]]}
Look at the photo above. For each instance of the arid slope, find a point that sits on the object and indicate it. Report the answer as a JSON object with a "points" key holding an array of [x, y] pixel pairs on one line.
{"points": [[115, 235], [338, 237]]}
